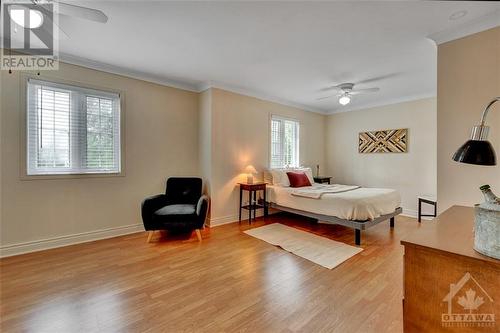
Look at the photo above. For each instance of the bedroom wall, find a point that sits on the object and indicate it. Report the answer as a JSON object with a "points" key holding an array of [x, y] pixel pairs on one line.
{"points": [[161, 140], [468, 78], [412, 173], [240, 136]]}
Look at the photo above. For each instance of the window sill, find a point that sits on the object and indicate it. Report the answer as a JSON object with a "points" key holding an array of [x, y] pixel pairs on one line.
{"points": [[72, 176]]}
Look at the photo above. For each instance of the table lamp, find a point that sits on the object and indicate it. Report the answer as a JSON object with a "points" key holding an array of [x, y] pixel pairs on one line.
{"points": [[250, 171]]}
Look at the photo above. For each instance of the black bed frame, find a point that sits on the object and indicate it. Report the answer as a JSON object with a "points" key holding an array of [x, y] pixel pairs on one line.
{"points": [[356, 225]]}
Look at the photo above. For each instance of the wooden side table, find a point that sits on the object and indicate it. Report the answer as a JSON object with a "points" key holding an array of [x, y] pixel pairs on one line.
{"points": [[440, 267], [253, 205], [322, 179]]}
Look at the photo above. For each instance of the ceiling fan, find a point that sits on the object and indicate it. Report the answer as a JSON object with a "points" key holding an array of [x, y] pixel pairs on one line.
{"points": [[42, 10], [345, 91]]}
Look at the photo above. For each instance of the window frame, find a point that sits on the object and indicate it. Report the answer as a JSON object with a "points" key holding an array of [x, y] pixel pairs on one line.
{"points": [[283, 118], [23, 105]]}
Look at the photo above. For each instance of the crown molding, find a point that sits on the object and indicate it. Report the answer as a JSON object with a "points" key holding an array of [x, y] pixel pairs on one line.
{"points": [[108, 68], [79, 61], [476, 25], [258, 95], [391, 101]]}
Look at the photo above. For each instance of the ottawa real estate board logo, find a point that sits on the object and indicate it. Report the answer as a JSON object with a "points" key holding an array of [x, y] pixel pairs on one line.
{"points": [[29, 34], [469, 305]]}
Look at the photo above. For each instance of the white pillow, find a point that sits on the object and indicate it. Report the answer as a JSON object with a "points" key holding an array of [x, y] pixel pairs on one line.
{"points": [[280, 177]]}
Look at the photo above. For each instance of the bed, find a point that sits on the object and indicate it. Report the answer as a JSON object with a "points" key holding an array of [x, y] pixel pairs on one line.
{"points": [[352, 206]]}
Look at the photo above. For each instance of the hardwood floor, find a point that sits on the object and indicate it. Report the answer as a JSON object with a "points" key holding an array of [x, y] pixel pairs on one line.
{"points": [[229, 282]]}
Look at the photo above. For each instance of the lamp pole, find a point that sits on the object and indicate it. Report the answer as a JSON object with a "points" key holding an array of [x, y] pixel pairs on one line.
{"points": [[480, 132], [487, 108]]}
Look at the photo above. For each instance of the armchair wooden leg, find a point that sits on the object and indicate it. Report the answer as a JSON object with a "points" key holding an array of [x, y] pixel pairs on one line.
{"points": [[198, 234], [150, 236]]}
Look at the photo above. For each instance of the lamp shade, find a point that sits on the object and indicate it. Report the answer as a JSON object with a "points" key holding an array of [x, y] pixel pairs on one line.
{"points": [[478, 152], [250, 169]]}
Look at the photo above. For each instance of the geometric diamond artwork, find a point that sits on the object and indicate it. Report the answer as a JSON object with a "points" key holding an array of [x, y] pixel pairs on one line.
{"points": [[388, 141]]}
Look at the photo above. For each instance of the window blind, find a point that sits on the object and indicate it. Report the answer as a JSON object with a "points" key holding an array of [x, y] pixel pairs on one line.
{"points": [[284, 142], [71, 130]]}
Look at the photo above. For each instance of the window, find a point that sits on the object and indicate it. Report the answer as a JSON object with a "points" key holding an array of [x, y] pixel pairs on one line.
{"points": [[284, 143], [71, 130]]}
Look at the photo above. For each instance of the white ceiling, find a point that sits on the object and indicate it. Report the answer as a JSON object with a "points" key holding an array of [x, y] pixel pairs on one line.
{"points": [[284, 51]]}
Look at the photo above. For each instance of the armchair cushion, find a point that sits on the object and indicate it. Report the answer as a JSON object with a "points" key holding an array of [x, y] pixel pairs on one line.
{"points": [[179, 209]]}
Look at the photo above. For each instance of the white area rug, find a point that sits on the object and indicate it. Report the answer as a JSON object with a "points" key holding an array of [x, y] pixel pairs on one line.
{"points": [[320, 250]]}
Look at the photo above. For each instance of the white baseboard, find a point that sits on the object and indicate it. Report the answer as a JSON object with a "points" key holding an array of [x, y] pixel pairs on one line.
{"points": [[409, 213], [217, 221], [51, 243], [414, 214]]}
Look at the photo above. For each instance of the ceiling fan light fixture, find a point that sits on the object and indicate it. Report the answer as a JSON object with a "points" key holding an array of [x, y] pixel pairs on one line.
{"points": [[35, 17], [344, 99]]}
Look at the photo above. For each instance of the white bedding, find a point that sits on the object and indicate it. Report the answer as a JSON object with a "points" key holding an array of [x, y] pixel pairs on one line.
{"points": [[317, 191], [359, 204]]}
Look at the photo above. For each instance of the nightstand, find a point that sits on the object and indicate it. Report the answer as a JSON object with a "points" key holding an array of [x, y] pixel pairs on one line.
{"points": [[252, 205], [322, 179]]}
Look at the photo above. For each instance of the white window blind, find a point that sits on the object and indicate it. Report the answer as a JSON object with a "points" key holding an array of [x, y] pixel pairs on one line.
{"points": [[71, 130], [284, 142]]}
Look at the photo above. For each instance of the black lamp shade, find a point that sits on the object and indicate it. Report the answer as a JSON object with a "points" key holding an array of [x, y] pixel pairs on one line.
{"points": [[478, 152]]}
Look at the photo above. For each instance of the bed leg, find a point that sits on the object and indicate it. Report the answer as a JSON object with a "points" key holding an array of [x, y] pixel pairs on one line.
{"points": [[392, 222], [357, 236]]}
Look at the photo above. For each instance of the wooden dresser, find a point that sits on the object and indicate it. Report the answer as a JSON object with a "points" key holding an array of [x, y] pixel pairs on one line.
{"points": [[449, 287]]}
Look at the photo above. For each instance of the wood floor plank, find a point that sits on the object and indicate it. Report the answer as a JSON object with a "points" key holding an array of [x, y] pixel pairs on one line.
{"points": [[229, 282]]}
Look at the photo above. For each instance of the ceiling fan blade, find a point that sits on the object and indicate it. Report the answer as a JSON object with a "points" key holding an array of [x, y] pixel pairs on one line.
{"points": [[378, 78], [46, 16], [364, 91], [82, 12], [321, 98], [336, 87]]}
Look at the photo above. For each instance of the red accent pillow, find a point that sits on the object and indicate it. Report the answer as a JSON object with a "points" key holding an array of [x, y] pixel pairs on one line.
{"points": [[298, 179]]}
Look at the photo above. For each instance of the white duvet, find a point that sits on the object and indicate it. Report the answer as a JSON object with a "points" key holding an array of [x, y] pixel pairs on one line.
{"points": [[318, 190], [359, 204]]}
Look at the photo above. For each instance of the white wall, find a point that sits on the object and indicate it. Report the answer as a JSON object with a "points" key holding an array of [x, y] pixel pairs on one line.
{"points": [[468, 79], [412, 173], [161, 140], [241, 136]]}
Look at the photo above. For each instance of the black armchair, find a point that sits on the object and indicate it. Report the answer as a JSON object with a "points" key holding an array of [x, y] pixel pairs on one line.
{"points": [[182, 207]]}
